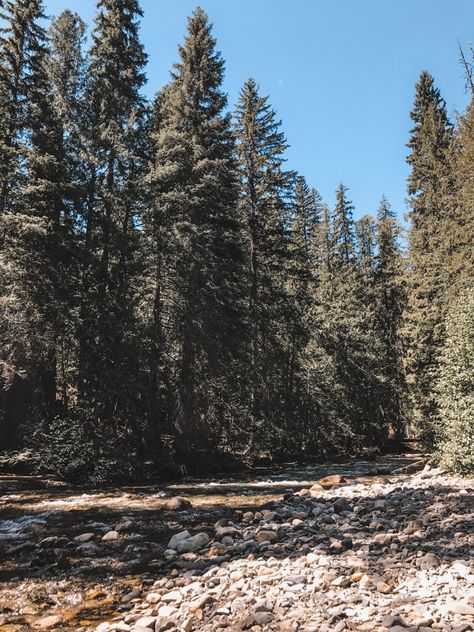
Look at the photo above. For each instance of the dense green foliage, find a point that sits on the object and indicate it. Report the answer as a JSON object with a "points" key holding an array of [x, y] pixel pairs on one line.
{"points": [[455, 386], [171, 295]]}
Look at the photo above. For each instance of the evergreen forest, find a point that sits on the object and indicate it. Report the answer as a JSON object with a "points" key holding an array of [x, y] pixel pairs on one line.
{"points": [[174, 299]]}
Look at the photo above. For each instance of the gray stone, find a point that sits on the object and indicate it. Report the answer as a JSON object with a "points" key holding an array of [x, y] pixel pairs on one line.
{"points": [[222, 532], [389, 621], [84, 537], [197, 541], [266, 535], [88, 550], [340, 505], [178, 537], [428, 561]]}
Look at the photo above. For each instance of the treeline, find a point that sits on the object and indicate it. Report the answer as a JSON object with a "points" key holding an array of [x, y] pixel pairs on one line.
{"points": [[172, 294]]}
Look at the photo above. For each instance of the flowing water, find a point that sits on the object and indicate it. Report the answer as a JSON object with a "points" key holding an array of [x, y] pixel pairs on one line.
{"points": [[54, 578]]}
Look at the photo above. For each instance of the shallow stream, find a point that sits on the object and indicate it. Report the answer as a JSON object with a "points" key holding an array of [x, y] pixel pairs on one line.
{"points": [[41, 579]]}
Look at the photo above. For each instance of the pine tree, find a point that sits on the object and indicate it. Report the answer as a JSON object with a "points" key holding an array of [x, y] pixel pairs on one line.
{"points": [[66, 74], [347, 319], [430, 186], [34, 256], [18, 37], [109, 329], [305, 228], [343, 248], [299, 293], [264, 203], [391, 298], [198, 271], [365, 235]]}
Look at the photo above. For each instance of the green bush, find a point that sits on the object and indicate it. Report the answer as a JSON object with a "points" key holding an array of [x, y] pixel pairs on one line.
{"points": [[78, 449]]}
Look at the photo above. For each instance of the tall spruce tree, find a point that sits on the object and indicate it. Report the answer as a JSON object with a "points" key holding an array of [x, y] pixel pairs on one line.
{"points": [[391, 297], [19, 36], [299, 294], [198, 260], [66, 74], [109, 206], [116, 109], [264, 203], [430, 186], [343, 247], [346, 299], [31, 223]]}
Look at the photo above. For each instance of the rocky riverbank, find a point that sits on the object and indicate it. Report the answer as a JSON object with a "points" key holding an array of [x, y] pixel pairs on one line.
{"points": [[390, 552]]}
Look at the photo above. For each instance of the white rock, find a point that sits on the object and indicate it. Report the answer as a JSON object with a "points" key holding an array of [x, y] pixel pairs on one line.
{"points": [[153, 597], [146, 622], [457, 607], [167, 612], [172, 596]]}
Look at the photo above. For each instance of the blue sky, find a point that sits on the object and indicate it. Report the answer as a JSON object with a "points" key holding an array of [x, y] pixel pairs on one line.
{"points": [[340, 74]]}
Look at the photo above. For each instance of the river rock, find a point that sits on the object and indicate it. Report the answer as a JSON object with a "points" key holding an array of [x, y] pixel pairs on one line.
{"points": [[430, 560], [200, 602], [125, 524], [222, 532], [177, 504], [88, 550], [390, 621], [197, 541], [111, 536], [334, 480], [46, 623], [53, 542], [266, 535], [340, 505], [305, 577], [146, 622], [171, 597], [458, 607], [153, 597], [178, 537], [84, 537]]}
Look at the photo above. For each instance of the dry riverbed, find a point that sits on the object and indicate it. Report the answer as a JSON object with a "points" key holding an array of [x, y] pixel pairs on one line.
{"points": [[357, 551]]}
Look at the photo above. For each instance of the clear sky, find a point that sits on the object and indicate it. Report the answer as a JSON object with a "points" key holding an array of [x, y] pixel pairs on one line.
{"points": [[340, 74]]}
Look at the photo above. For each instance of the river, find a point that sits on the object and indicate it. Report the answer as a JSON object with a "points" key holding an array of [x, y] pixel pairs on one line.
{"points": [[46, 576]]}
